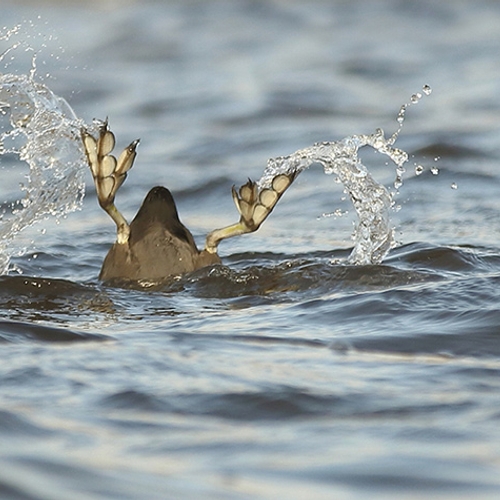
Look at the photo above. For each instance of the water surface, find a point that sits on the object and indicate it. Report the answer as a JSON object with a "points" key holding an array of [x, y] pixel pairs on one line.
{"points": [[287, 372]]}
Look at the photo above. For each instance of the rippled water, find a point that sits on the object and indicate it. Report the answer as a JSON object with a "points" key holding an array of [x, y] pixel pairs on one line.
{"points": [[287, 372]]}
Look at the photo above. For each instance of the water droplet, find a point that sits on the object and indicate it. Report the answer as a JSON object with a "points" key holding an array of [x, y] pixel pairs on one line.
{"points": [[419, 169], [426, 90], [340, 213], [454, 185], [434, 170], [401, 114], [415, 98]]}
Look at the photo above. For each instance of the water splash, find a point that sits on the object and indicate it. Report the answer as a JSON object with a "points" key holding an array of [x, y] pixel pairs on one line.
{"points": [[43, 131], [373, 234]]}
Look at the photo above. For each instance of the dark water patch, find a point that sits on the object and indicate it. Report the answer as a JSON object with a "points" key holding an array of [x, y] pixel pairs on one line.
{"points": [[242, 259], [33, 287], [296, 279], [435, 258], [225, 282], [215, 188], [444, 150], [20, 376], [374, 68], [480, 373], [444, 334], [456, 314], [64, 263], [9, 491], [58, 478], [299, 103], [12, 424], [273, 404], [268, 340], [429, 433], [290, 403], [404, 473], [276, 404], [486, 259], [481, 378], [135, 401], [46, 299], [381, 277], [11, 331]]}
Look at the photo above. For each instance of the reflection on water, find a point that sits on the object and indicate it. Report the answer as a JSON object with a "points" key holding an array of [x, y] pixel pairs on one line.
{"points": [[286, 372]]}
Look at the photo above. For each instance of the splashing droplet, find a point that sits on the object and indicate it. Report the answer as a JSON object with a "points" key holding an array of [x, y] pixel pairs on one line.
{"points": [[415, 98], [426, 90], [401, 114], [419, 169], [434, 170], [454, 185]]}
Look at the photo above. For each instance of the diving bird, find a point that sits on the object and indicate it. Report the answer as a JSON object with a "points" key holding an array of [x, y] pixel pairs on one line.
{"points": [[156, 244]]}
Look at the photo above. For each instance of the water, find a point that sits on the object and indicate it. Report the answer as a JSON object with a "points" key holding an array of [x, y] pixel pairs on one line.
{"points": [[297, 369], [373, 234], [52, 149]]}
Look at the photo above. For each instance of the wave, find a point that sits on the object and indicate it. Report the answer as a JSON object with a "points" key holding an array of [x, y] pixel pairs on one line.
{"points": [[16, 331]]}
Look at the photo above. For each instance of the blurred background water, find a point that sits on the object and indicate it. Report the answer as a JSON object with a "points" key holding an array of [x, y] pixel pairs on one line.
{"points": [[285, 373]]}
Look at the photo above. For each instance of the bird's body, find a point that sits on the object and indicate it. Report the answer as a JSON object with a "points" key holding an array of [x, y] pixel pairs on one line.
{"points": [[159, 244]]}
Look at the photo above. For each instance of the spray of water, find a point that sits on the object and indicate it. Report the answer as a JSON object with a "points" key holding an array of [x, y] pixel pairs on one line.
{"points": [[42, 130], [373, 234]]}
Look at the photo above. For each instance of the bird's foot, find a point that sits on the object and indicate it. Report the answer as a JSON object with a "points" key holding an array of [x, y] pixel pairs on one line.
{"points": [[254, 207], [108, 172]]}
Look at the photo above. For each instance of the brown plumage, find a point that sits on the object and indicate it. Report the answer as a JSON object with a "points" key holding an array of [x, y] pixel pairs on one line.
{"points": [[159, 244]]}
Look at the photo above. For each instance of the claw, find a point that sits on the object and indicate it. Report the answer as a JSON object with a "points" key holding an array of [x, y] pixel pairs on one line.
{"points": [[127, 157]]}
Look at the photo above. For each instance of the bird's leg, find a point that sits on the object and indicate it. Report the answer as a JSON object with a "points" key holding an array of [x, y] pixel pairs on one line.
{"points": [[109, 173], [254, 207]]}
